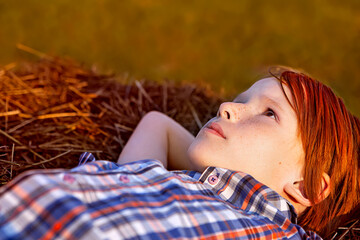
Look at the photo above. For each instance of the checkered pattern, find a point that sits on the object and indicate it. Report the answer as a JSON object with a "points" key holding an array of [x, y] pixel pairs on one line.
{"points": [[104, 200]]}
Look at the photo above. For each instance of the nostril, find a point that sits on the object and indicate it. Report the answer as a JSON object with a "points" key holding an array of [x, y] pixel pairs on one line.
{"points": [[227, 114]]}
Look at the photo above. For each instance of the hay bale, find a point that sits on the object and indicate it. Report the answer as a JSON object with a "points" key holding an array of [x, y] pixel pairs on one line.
{"points": [[54, 109]]}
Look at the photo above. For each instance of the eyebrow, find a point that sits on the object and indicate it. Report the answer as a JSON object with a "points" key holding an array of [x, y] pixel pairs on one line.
{"points": [[273, 102]]}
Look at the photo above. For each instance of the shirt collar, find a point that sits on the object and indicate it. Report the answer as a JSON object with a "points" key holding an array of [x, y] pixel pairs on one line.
{"points": [[243, 191]]}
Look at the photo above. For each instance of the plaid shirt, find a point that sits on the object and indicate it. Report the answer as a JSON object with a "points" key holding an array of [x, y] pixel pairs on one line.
{"points": [[104, 200]]}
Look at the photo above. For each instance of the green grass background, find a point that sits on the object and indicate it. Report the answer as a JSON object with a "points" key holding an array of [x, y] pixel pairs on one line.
{"points": [[228, 44]]}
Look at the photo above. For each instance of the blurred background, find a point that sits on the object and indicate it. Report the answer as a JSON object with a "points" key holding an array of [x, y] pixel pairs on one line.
{"points": [[227, 44]]}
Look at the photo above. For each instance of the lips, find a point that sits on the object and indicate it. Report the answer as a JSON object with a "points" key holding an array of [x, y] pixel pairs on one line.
{"points": [[216, 129]]}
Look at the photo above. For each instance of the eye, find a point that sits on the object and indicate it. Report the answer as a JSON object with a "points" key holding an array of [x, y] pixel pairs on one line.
{"points": [[270, 113]]}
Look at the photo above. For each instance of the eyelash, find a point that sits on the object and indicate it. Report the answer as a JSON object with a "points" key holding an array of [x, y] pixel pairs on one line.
{"points": [[272, 111]]}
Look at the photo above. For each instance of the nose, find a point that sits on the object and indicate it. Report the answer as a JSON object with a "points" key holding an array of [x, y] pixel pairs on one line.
{"points": [[230, 110]]}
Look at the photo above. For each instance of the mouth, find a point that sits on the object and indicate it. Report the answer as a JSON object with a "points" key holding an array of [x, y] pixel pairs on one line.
{"points": [[215, 129]]}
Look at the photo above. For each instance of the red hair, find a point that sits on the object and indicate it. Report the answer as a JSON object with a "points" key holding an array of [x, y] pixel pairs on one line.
{"points": [[330, 138]]}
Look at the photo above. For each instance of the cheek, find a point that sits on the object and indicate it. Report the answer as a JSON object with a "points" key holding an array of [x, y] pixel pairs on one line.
{"points": [[255, 144], [296, 153], [254, 137]]}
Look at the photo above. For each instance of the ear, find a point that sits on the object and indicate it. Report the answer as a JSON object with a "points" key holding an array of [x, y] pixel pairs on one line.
{"points": [[296, 191]]}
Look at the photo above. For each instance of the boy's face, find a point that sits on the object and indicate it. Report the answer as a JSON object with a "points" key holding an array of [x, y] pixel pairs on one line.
{"points": [[255, 134]]}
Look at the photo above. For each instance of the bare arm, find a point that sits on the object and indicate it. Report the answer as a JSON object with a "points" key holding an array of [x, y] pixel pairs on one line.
{"points": [[159, 137]]}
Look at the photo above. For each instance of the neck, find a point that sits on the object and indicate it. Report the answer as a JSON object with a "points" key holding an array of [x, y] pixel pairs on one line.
{"points": [[299, 208]]}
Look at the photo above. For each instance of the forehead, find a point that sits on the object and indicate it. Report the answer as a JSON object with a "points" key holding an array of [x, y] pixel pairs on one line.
{"points": [[268, 87]]}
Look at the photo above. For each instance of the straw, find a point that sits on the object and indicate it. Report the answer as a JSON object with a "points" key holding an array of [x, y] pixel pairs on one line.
{"points": [[54, 109]]}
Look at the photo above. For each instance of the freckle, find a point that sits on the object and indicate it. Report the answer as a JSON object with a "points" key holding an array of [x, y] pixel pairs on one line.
{"points": [[279, 163]]}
